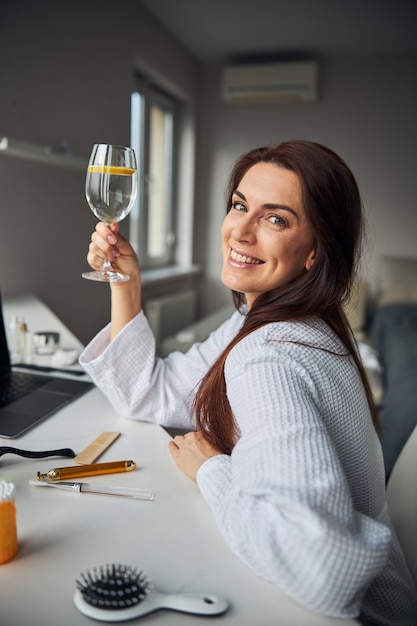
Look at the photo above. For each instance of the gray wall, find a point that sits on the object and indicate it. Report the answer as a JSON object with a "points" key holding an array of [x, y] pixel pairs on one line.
{"points": [[67, 75], [366, 112]]}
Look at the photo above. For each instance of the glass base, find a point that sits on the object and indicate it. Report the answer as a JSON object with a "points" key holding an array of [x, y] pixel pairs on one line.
{"points": [[106, 276]]}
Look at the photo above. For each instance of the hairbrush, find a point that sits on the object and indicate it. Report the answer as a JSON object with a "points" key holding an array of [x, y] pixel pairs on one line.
{"points": [[116, 593]]}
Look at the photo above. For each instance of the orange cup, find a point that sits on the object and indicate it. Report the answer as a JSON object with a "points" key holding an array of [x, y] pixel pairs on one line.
{"points": [[8, 532]]}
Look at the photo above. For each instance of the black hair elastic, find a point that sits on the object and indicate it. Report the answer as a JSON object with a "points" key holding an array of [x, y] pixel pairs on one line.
{"points": [[38, 454]]}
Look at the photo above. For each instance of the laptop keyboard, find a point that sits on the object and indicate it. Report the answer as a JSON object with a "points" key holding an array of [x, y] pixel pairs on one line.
{"points": [[19, 384]]}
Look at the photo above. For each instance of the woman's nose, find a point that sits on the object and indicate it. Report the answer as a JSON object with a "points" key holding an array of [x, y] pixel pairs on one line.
{"points": [[245, 229]]}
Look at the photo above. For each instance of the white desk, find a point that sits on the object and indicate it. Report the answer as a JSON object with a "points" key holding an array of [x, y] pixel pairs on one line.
{"points": [[172, 538]]}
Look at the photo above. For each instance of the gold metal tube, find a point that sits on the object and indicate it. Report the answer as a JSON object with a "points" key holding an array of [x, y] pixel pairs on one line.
{"points": [[95, 469]]}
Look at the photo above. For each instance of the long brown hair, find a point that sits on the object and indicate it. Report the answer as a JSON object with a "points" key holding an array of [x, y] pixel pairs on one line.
{"points": [[333, 210]]}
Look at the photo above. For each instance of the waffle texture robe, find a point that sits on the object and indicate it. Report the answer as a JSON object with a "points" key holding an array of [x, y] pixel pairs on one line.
{"points": [[301, 499]]}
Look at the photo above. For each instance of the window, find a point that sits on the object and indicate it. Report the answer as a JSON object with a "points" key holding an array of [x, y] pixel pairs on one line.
{"points": [[153, 219]]}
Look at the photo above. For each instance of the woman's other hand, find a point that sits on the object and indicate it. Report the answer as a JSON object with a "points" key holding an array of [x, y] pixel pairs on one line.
{"points": [[190, 451]]}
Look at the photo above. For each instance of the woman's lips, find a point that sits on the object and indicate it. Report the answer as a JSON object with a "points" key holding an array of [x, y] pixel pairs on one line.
{"points": [[243, 259]]}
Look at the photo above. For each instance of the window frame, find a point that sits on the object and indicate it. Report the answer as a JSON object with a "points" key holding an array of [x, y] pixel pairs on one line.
{"points": [[143, 98]]}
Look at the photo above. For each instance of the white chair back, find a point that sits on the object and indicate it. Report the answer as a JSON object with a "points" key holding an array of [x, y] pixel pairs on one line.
{"points": [[402, 501]]}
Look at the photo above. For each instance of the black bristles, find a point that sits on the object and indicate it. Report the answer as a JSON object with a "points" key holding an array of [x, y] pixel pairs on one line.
{"points": [[114, 586]]}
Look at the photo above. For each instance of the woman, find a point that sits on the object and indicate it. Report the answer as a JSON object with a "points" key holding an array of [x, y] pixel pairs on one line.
{"points": [[283, 437]]}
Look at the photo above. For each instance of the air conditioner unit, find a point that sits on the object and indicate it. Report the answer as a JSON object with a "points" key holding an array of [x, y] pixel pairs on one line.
{"points": [[271, 82]]}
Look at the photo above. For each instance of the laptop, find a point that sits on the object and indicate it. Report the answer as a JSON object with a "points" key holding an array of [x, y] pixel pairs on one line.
{"points": [[27, 398]]}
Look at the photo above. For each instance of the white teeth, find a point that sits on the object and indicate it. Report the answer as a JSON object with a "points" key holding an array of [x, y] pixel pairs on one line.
{"points": [[243, 259]]}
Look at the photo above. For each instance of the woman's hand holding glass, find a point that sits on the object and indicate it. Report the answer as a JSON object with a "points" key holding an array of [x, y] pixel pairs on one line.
{"points": [[108, 243], [110, 189]]}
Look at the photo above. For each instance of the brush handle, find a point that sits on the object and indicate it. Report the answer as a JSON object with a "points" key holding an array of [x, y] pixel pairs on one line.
{"points": [[195, 603]]}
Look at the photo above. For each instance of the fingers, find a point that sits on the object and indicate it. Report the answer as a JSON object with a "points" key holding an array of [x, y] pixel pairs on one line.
{"points": [[106, 239], [108, 243], [186, 454], [173, 448], [181, 443], [187, 440], [99, 246]]}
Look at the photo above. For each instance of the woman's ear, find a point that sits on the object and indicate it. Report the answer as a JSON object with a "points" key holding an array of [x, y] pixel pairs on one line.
{"points": [[310, 260]]}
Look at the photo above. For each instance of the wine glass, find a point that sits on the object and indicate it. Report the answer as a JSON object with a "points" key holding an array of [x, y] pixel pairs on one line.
{"points": [[110, 189]]}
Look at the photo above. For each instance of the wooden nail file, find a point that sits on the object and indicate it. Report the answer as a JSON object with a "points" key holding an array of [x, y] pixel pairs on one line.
{"points": [[96, 448]]}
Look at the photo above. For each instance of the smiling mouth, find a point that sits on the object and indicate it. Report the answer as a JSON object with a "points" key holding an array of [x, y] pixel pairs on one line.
{"points": [[241, 258]]}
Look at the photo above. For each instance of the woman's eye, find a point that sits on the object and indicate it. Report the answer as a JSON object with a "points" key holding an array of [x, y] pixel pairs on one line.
{"points": [[238, 206], [277, 220]]}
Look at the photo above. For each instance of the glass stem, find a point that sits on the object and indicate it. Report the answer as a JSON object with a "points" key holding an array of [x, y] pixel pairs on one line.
{"points": [[107, 267]]}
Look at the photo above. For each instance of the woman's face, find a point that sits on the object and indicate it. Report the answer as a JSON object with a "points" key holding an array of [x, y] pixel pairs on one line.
{"points": [[267, 241]]}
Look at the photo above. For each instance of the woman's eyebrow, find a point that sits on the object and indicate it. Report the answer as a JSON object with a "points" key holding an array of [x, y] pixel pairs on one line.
{"points": [[270, 205]]}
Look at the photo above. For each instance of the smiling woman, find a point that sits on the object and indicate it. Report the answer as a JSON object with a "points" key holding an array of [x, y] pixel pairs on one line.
{"points": [[284, 444], [267, 241]]}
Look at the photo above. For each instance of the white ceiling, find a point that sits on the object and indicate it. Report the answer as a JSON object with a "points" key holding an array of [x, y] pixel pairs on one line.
{"points": [[221, 31]]}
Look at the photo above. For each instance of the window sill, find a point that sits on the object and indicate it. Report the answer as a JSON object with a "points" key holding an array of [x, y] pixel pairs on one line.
{"points": [[165, 274]]}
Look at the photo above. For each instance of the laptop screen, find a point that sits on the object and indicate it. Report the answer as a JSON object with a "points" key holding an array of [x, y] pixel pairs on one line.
{"points": [[5, 365]]}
